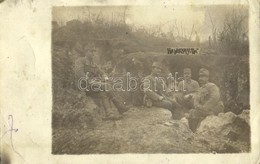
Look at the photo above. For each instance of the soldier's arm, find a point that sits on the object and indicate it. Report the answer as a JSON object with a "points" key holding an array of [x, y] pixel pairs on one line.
{"points": [[196, 86], [196, 99], [148, 92]]}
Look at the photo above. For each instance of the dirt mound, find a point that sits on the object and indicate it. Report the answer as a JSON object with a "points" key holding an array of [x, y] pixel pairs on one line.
{"points": [[151, 130], [141, 130]]}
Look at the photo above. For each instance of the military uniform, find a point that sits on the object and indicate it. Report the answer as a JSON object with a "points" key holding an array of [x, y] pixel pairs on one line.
{"points": [[188, 86], [154, 89], [206, 102], [186, 89], [208, 99]]}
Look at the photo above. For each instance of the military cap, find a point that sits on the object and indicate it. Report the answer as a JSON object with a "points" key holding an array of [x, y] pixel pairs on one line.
{"points": [[186, 70], [203, 72]]}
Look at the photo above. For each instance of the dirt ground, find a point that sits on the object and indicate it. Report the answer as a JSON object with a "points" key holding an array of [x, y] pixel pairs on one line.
{"points": [[141, 130]]}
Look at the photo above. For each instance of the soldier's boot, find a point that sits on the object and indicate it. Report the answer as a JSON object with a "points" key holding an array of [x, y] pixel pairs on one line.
{"points": [[122, 108], [193, 124], [194, 119], [119, 105], [115, 112], [110, 113]]}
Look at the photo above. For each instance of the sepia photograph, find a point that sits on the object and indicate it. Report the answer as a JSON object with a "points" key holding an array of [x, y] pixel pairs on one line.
{"points": [[150, 79]]}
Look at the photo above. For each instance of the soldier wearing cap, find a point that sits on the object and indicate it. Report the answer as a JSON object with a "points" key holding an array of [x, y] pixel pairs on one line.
{"points": [[188, 85], [187, 88], [155, 90], [206, 101]]}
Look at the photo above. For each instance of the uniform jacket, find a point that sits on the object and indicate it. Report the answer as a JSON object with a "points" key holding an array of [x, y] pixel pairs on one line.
{"points": [[82, 66], [154, 87], [208, 98], [188, 87]]}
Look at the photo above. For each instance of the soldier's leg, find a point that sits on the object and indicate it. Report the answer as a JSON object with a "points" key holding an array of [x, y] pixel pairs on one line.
{"points": [[105, 103], [172, 106], [195, 117], [118, 104], [163, 104], [98, 99], [111, 112], [166, 104], [108, 91]]}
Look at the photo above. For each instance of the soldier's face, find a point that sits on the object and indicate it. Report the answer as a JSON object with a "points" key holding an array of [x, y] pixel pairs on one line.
{"points": [[203, 80], [187, 75]]}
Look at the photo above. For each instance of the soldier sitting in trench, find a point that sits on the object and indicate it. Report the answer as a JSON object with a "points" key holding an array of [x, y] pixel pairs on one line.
{"points": [[206, 101], [187, 87], [155, 91], [186, 90]]}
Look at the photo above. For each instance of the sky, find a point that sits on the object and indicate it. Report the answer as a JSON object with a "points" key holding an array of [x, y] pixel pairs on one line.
{"points": [[182, 17]]}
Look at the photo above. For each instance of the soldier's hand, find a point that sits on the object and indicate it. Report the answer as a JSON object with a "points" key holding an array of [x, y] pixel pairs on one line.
{"points": [[189, 96], [161, 98]]}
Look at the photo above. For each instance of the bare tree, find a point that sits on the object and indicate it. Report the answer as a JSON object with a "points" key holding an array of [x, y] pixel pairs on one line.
{"points": [[234, 34], [213, 28]]}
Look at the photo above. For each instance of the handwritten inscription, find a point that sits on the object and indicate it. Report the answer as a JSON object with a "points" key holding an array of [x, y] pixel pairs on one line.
{"points": [[10, 131], [184, 51]]}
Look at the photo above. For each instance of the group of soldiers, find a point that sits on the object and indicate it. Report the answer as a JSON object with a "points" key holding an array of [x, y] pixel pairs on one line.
{"points": [[193, 100]]}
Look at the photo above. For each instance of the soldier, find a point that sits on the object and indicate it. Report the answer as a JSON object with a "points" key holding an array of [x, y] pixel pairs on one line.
{"points": [[187, 88], [188, 85], [96, 78], [206, 101], [155, 89]]}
